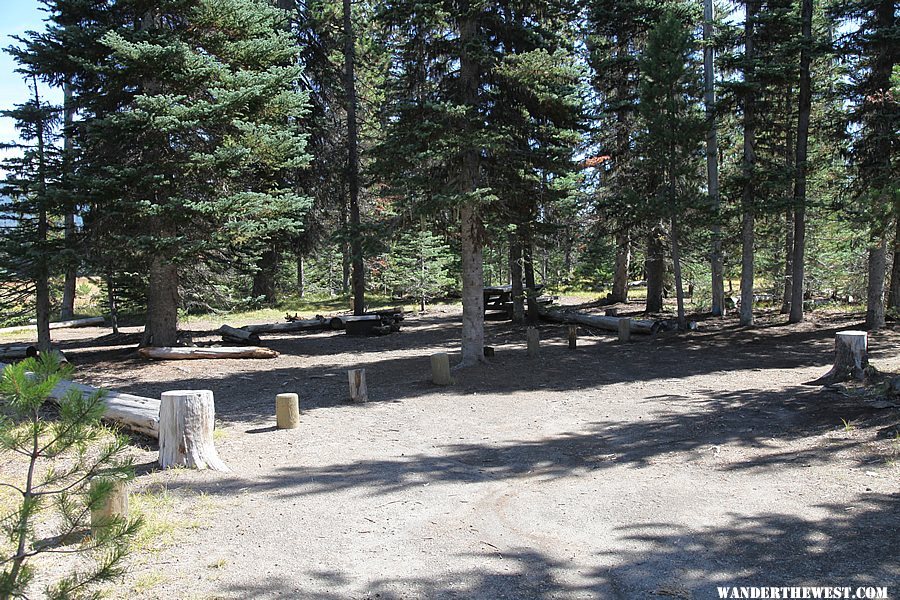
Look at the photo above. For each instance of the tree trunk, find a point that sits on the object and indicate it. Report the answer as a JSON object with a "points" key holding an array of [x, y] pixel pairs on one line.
{"points": [[804, 109], [875, 286], [894, 293], [67, 310], [788, 262], [655, 266], [186, 425], [712, 159], [748, 238], [623, 263], [113, 303], [301, 277], [530, 285], [471, 224], [515, 273], [42, 266], [265, 279], [162, 304], [197, 353], [676, 262], [850, 358], [358, 281]]}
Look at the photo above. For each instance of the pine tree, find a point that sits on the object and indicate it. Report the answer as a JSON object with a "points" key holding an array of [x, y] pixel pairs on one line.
{"points": [[190, 134], [31, 199]]}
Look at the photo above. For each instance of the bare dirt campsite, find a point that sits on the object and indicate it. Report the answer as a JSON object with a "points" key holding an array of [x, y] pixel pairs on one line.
{"points": [[662, 467]]}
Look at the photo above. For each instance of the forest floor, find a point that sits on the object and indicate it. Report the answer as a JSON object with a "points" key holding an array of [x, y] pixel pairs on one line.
{"points": [[663, 467]]}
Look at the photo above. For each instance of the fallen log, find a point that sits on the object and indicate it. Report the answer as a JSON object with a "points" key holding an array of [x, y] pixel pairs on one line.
{"points": [[134, 413], [646, 326], [194, 353], [88, 322], [18, 352], [317, 324], [234, 334]]}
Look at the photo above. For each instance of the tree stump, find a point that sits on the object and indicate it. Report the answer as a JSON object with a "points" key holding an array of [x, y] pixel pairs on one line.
{"points": [[850, 358], [440, 369], [358, 391], [573, 337], [488, 351], [287, 411], [114, 507], [186, 424], [611, 312], [534, 340], [625, 330]]}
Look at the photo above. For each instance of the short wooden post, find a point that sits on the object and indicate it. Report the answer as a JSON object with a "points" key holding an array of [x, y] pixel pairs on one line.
{"points": [[612, 312], [114, 506], [358, 391], [534, 340], [440, 369], [186, 423], [624, 329], [573, 337], [287, 411], [488, 351]]}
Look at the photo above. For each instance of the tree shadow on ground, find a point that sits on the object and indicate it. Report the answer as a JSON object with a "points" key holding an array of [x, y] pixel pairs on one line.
{"points": [[845, 545]]}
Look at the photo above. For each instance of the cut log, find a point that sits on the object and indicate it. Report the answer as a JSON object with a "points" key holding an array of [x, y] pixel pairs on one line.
{"points": [[625, 328], [573, 337], [134, 413], [195, 353], [534, 340], [850, 358], [114, 508], [318, 324], [440, 369], [358, 391], [287, 411], [234, 334], [18, 352], [186, 424], [645, 326]]}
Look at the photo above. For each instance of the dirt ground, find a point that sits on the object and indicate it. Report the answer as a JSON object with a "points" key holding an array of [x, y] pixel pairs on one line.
{"points": [[664, 467]]}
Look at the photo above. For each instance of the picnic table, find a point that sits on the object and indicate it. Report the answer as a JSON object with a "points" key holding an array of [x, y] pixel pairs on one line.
{"points": [[498, 299]]}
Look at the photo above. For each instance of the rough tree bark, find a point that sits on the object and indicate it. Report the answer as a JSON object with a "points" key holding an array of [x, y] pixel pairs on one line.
{"points": [[894, 292], [301, 277], [358, 277], [161, 328], [186, 424], [42, 267], [748, 237], [788, 262], [67, 309], [875, 286], [712, 159], [530, 284], [265, 279], [623, 263], [470, 218], [803, 114], [655, 266], [515, 275]]}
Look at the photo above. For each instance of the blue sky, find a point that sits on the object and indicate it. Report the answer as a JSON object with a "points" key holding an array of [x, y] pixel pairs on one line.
{"points": [[17, 17]]}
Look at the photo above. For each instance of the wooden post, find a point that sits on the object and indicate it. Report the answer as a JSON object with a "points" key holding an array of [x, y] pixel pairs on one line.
{"points": [[850, 358], [440, 369], [611, 312], [573, 337], [358, 391], [186, 424], [488, 351], [114, 506], [534, 341], [287, 411], [624, 329]]}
